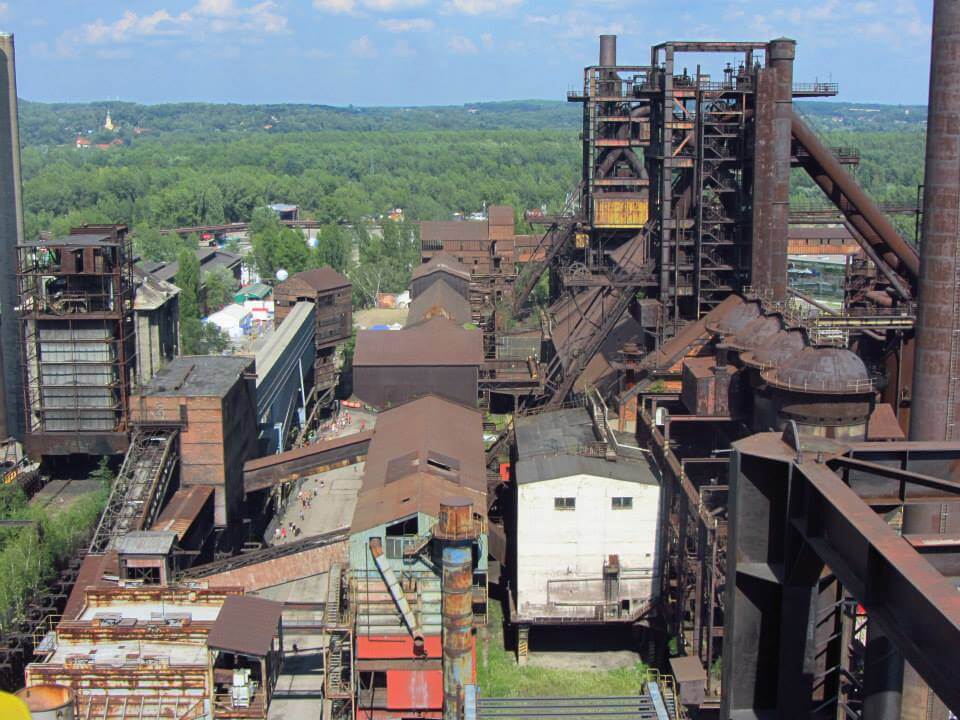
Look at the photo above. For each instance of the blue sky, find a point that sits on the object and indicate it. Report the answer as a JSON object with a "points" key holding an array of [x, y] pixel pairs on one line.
{"points": [[416, 52]]}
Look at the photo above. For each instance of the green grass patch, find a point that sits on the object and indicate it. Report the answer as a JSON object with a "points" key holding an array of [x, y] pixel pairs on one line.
{"points": [[498, 674], [30, 556]]}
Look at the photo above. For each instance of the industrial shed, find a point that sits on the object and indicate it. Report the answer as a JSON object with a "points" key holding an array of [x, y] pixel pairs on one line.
{"points": [[444, 266], [439, 300], [434, 357], [586, 525]]}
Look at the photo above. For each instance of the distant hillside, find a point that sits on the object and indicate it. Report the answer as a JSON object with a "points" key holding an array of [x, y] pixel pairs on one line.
{"points": [[60, 123]]}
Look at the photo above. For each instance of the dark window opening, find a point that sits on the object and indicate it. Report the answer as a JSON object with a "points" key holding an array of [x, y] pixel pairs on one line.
{"points": [[564, 503]]}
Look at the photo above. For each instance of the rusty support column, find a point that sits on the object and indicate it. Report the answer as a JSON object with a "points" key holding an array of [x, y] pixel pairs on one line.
{"points": [[936, 378], [456, 530], [11, 234]]}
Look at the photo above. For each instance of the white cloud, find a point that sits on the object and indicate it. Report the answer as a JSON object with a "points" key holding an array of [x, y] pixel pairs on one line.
{"points": [[355, 7], [482, 7], [207, 17], [335, 6], [397, 25], [402, 49], [462, 45], [363, 47], [487, 40]]}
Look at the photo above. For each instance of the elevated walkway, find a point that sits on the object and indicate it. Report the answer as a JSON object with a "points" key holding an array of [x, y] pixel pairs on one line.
{"points": [[140, 487], [305, 462]]}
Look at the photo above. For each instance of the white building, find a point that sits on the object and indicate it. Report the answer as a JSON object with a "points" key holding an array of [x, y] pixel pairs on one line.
{"points": [[586, 526]]}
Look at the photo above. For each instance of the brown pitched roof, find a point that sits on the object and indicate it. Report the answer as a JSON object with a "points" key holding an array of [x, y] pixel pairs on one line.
{"points": [[246, 625], [436, 342], [439, 300], [430, 435], [417, 492], [324, 278], [444, 262]]}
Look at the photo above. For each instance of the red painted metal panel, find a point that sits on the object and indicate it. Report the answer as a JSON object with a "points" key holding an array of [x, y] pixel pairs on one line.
{"points": [[414, 689], [395, 646]]}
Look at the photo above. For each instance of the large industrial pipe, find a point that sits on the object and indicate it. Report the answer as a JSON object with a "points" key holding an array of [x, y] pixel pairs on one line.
{"points": [[850, 199], [936, 375], [396, 592], [780, 58], [11, 235], [608, 50], [456, 530]]}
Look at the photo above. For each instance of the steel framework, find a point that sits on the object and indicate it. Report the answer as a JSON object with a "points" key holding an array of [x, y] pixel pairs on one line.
{"points": [[807, 515], [78, 340]]}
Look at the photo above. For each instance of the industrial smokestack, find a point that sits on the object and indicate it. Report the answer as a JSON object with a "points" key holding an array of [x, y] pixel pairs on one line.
{"points": [[936, 370], [936, 373], [11, 235], [457, 531], [608, 50]]}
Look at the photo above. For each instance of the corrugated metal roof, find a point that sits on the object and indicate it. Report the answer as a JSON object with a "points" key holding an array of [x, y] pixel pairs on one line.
{"points": [[436, 342], [246, 625], [553, 432], [428, 435], [152, 292], [182, 511], [146, 542], [439, 300], [552, 467], [442, 262]]}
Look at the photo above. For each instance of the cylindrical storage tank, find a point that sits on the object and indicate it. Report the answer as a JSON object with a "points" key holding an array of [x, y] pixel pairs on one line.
{"points": [[755, 333], [48, 702], [775, 351], [734, 319], [826, 390]]}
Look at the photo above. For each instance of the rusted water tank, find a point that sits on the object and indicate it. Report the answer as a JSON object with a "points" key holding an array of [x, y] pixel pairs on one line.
{"points": [[755, 333], [826, 390], [732, 321], [48, 702]]}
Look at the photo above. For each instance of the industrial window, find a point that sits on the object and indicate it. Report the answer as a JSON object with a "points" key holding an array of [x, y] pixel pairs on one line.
{"points": [[564, 503], [622, 503]]}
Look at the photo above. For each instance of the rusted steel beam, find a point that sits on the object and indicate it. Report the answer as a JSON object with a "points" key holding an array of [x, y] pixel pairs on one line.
{"points": [[904, 477], [850, 198], [917, 606]]}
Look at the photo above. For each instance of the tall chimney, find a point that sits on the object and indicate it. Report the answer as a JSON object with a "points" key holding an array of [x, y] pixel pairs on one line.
{"points": [[608, 50], [457, 531], [936, 372], [11, 235]]}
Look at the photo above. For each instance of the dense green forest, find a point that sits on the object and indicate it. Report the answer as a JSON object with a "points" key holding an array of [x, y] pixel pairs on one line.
{"points": [[205, 164]]}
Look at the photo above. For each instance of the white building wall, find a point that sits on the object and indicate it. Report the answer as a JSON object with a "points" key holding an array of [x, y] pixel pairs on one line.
{"points": [[561, 553]]}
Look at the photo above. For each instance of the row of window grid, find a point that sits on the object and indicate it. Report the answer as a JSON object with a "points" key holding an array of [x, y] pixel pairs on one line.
{"points": [[570, 503]]}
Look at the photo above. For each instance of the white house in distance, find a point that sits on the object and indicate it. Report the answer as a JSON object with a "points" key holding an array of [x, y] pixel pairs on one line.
{"points": [[586, 526]]}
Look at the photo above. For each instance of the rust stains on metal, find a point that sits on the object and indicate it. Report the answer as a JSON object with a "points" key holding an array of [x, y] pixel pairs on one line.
{"points": [[936, 377]]}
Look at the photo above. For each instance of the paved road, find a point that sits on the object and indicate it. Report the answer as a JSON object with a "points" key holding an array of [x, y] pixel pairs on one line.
{"points": [[331, 508]]}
